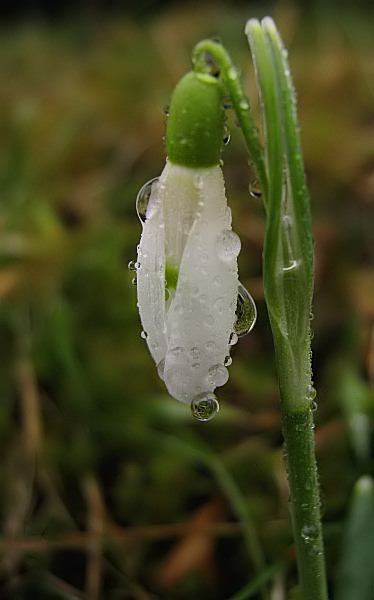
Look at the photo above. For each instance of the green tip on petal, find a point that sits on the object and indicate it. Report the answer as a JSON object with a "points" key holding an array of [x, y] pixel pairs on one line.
{"points": [[195, 125], [171, 276]]}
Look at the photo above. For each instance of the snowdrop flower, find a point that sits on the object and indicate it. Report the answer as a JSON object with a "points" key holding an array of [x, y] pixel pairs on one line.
{"points": [[187, 276]]}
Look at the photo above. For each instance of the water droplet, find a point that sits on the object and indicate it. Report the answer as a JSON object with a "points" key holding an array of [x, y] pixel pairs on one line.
{"points": [[309, 534], [144, 335], [232, 73], [292, 266], [254, 189], [195, 353], [228, 361], [226, 135], [246, 312], [161, 369], [233, 339], [219, 305], [205, 63], [204, 407], [132, 265], [134, 281], [167, 110], [227, 102], [143, 197], [177, 351], [210, 346], [228, 245], [311, 392], [218, 375]]}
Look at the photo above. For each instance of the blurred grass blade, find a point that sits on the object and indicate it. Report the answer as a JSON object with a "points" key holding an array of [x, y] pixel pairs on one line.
{"points": [[254, 586], [355, 580], [356, 397]]}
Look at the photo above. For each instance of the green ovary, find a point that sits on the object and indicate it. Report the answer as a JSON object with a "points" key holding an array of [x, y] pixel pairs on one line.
{"points": [[171, 277]]}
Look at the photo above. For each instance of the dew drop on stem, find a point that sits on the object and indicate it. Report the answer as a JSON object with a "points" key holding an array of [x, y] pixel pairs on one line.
{"points": [[292, 266], [226, 135], [205, 63], [255, 189]]}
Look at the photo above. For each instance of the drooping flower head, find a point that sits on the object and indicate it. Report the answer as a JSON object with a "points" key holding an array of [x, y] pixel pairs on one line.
{"points": [[187, 276]]}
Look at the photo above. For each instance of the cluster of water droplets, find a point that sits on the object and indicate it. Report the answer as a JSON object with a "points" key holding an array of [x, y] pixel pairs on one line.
{"points": [[311, 394], [205, 406], [133, 266]]}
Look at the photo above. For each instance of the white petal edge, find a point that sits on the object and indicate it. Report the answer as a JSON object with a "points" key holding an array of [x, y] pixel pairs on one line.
{"points": [[201, 316], [151, 275]]}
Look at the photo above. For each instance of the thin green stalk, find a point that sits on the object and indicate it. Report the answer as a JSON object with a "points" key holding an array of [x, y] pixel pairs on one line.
{"points": [[203, 53], [288, 272], [288, 280]]}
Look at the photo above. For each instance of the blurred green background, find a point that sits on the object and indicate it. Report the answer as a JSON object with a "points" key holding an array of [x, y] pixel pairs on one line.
{"points": [[108, 487]]}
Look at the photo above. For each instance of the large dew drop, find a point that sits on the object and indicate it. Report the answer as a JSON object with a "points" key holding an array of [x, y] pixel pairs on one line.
{"points": [[255, 189], [142, 199], [228, 245], [218, 375], [246, 312], [204, 407]]}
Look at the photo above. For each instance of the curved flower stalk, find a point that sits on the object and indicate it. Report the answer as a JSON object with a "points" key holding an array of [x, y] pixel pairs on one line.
{"points": [[187, 276]]}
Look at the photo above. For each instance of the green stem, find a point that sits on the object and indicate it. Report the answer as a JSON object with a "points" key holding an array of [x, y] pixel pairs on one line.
{"points": [[288, 273], [288, 282], [228, 72], [305, 504]]}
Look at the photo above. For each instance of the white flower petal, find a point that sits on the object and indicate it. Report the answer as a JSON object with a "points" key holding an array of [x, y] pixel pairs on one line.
{"points": [[151, 275], [179, 204], [188, 228], [201, 315]]}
